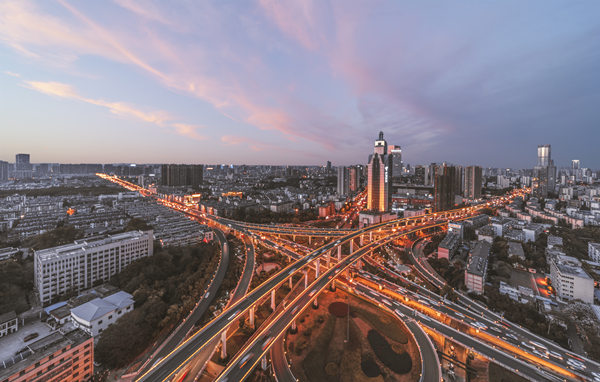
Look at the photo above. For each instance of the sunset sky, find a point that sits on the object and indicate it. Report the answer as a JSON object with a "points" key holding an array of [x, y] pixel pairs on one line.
{"points": [[299, 82]]}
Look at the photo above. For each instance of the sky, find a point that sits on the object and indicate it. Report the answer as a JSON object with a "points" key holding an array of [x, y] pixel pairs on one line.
{"points": [[299, 82]]}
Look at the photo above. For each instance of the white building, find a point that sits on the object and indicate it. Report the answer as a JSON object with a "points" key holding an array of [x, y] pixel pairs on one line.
{"points": [[78, 266], [95, 316], [594, 252], [9, 323], [570, 280]]}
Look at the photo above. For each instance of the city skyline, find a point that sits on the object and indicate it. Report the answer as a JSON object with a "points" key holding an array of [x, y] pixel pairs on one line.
{"points": [[119, 82]]}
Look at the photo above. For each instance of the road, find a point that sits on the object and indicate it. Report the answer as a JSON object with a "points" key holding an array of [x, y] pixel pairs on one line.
{"points": [[198, 364], [202, 306], [247, 358]]}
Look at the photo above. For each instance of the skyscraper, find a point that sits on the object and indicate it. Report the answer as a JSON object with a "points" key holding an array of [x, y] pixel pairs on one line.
{"points": [[22, 162], [181, 175], [343, 181], [472, 182], [378, 195], [544, 173], [353, 179], [3, 171], [444, 188], [396, 152]]}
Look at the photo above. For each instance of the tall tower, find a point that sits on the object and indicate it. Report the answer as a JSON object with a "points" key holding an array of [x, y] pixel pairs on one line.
{"points": [[473, 182], [444, 188], [343, 181], [544, 174], [378, 195], [396, 152]]}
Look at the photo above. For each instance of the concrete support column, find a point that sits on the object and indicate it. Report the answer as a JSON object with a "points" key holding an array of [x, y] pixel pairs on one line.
{"points": [[305, 279], [315, 303], [291, 282], [224, 344], [362, 240], [294, 328], [263, 362], [293, 237], [370, 235], [318, 266], [309, 240], [351, 245], [251, 318], [273, 299], [328, 260], [339, 252]]}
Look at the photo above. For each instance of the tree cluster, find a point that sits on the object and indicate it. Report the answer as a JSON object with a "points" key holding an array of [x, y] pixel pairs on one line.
{"points": [[16, 283], [165, 287]]}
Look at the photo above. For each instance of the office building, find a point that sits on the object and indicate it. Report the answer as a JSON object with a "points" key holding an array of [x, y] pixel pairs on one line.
{"points": [[178, 175], [476, 270], [444, 188], [472, 182], [74, 267], [95, 316], [343, 181], [396, 152], [66, 355], [569, 279], [22, 162], [378, 193], [4, 166], [544, 173]]}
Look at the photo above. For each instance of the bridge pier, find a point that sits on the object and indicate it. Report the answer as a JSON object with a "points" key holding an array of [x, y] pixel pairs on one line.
{"points": [[291, 282], [362, 240], [294, 328], [318, 266], [305, 279], [351, 245], [224, 344], [328, 260], [293, 237], [309, 240], [263, 362], [370, 235], [339, 257], [273, 299], [251, 318], [315, 303]]}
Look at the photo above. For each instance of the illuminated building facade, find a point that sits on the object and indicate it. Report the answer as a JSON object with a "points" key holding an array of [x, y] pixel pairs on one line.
{"points": [[544, 174], [378, 177], [444, 187], [176, 175], [473, 182]]}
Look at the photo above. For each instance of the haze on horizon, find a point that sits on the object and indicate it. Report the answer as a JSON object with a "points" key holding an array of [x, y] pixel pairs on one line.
{"points": [[261, 83]]}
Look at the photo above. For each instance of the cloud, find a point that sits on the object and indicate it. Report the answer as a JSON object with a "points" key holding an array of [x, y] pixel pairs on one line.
{"points": [[159, 117], [254, 144], [12, 74]]}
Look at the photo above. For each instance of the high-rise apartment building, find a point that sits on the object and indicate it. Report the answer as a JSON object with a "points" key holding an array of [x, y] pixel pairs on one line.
{"points": [[444, 187], [544, 173], [353, 179], [64, 355], [175, 175], [343, 181], [22, 162], [3, 171], [472, 185], [74, 267], [378, 177]]}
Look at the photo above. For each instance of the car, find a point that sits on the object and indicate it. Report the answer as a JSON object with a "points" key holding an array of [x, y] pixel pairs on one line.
{"points": [[245, 359], [207, 294], [267, 342], [312, 293], [399, 313], [233, 315], [555, 355], [459, 314], [295, 310], [512, 336]]}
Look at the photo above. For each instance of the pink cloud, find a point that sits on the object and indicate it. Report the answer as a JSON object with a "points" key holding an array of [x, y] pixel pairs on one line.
{"points": [[157, 117]]}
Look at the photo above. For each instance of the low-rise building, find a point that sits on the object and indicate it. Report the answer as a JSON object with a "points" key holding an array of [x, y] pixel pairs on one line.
{"points": [[66, 355], [95, 316], [476, 271], [594, 251], [9, 323], [516, 249], [570, 280], [448, 246]]}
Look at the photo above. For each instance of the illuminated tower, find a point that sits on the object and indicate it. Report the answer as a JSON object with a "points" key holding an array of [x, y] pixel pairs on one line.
{"points": [[544, 174], [378, 195]]}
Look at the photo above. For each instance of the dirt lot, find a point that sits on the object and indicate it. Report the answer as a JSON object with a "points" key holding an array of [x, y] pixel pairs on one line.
{"points": [[319, 351]]}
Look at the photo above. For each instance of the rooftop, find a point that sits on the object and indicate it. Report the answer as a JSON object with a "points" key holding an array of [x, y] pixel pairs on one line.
{"points": [[478, 258], [570, 266], [78, 245]]}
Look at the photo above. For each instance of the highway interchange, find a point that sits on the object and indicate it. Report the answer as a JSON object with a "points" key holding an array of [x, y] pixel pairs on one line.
{"points": [[483, 331]]}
